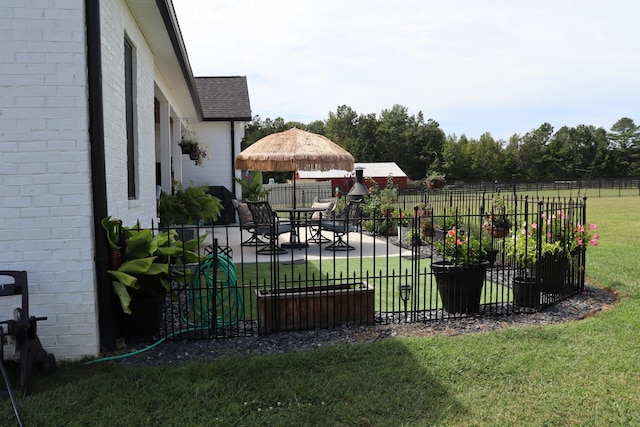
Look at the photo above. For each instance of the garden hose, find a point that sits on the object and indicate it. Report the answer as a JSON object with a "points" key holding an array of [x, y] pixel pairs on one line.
{"points": [[224, 293], [231, 306]]}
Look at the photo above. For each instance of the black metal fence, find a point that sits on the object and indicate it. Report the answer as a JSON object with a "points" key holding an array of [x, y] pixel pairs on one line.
{"points": [[397, 271]]}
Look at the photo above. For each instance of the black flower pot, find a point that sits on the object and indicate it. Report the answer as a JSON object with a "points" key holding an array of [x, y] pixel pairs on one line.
{"points": [[143, 324], [526, 292], [492, 256], [553, 272], [460, 286]]}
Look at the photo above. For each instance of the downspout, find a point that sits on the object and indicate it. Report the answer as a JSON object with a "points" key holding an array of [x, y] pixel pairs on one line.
{"points": [[233, 158], [106, 323]]}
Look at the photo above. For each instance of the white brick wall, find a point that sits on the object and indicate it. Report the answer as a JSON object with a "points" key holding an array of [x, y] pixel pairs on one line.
{"points": [[116, 24], [45, 191], [46, 225]]}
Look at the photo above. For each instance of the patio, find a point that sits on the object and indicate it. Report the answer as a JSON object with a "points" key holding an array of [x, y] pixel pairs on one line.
{"points": [[366, 246]]}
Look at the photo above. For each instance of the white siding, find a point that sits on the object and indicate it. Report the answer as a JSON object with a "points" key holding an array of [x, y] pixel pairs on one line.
{"points": [[45, 190], [218, 170]]}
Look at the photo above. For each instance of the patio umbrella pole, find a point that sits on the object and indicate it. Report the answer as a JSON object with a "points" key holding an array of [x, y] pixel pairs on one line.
{"points": [[295, 172]]}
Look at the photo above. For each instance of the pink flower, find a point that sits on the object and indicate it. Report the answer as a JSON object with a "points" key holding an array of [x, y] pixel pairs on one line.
{"points": [[593, 227], [579, 242], [534, 226], [593, 242], [451, 233]]}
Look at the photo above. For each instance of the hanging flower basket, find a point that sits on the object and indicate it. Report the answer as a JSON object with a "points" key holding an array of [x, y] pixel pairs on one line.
{"points": [[436, 180], [198, 151], [186, 148], [498, 232], [437, 183]]}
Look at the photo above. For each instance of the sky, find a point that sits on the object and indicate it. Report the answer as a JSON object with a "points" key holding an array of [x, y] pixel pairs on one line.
{"points": [[498, 66]]}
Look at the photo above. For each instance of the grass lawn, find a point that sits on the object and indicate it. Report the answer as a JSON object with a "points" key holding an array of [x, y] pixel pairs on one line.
{"points": [[379, 270], [584, 373]]}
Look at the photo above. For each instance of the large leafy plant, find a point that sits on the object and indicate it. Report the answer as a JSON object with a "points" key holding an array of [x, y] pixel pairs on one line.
{"points": [[252, 188], [146, 260], [188, 205]]}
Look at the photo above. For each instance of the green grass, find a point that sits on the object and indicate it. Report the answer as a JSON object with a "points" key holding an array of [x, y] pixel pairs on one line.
{"points": [[377, 269], [584, 373]]}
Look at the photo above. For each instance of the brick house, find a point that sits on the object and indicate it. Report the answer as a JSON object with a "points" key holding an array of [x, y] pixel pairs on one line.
{"points": [[94, 96]]}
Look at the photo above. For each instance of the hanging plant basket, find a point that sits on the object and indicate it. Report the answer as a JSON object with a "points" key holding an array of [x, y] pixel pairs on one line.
{"points": [[498, 232], [186, 148], [437, 183], [193, 155]]}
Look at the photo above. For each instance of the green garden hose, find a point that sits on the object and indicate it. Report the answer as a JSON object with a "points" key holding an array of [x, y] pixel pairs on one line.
{"points": [[225, 294]]}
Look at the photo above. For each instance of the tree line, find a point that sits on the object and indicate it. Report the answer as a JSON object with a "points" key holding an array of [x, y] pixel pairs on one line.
{"points": [[420, 147]]}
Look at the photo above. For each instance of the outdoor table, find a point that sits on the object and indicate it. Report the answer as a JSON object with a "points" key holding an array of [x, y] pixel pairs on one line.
{"points": [[296, 218]]}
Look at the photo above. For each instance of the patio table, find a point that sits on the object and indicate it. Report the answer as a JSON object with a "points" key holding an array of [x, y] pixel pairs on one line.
{"points": [[297, 216]]}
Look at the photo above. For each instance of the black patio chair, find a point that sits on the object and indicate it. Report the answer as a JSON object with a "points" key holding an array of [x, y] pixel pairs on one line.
{"points": [[246, 223], [342, 224], [329, 206], [269, 226]]}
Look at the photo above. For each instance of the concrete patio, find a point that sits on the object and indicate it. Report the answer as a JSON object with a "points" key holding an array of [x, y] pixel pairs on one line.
{"points": [[365, 246]]}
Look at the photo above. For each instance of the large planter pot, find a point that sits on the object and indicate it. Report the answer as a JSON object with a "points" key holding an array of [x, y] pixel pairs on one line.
{"points": [[143, 324], [553, 272], [402, 231], [492, 256], [526, 293], [460, 286], [324, 306]]}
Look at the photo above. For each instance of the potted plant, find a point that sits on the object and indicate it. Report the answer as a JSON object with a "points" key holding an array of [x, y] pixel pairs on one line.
{"points": [[436, 180], [379, 208], [190, 205], [523, 246], [142, 274], [424, 230], [252, 188], [562, 243], [496, 219], [192, 145], [461, 273]]}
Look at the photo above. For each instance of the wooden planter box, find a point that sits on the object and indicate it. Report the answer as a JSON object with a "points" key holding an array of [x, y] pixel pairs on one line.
{"points": [[296, 309]]}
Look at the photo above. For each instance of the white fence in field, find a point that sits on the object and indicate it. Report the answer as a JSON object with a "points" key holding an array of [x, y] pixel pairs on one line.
{"points": [[282, 194]]}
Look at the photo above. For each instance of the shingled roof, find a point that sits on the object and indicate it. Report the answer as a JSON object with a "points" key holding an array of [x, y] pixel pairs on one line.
{"points": [[224, 98]]}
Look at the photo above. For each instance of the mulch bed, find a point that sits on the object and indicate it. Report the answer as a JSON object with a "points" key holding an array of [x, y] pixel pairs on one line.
{"points": [[589, 302]]}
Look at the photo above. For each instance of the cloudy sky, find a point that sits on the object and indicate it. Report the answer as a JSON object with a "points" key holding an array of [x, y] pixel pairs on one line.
{"points": [[498, 66]]}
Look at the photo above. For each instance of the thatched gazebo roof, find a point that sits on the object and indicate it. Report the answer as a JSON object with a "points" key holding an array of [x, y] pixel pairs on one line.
{"points": [[292, 150]]}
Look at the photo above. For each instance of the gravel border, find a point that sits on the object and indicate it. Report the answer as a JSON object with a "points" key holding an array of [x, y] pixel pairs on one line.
{"points": [[589, 302]]}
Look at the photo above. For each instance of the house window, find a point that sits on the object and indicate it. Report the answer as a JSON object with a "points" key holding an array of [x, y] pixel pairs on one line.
{"points": [[129, 88]]}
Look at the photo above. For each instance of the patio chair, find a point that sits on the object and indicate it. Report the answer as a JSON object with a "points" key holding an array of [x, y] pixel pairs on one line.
{"points": [[268, 226], [246, 223], [329, 206], [342, 224]]}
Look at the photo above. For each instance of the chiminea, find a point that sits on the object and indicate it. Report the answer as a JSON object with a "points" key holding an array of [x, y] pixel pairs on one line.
{"points": [[359, 190]]}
